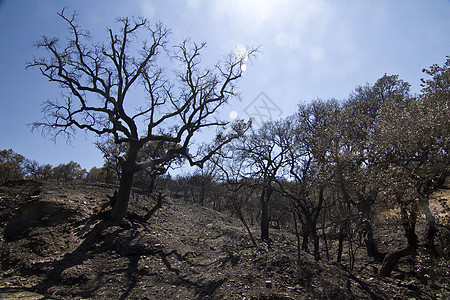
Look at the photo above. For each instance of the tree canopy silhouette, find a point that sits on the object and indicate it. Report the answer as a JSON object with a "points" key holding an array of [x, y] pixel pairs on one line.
{"points": [[99, 84]]}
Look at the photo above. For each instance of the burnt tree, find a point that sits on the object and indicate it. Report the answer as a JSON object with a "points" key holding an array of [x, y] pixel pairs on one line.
{"points": [[103, 83], [263, 159]]}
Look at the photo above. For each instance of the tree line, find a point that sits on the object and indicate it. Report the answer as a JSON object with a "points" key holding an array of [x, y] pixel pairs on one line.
{"points": [[331, 168], [14, 166], [333, 165]]}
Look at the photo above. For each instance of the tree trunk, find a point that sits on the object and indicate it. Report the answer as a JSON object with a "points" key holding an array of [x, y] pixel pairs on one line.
{"points": [[202, 195], [371, 245], [241, 217], [316, 244], [351, 252], [341, 240], [297, 234], [432, 227], [157, 206], [365, 208], [119, 210], [325, 239], [313, 225], [265, 221], [306, 233], [392, 258], [120, 207]]}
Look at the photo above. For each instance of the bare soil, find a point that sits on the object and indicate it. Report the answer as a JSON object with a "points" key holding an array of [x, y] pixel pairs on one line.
{"points": [[56, 243]]}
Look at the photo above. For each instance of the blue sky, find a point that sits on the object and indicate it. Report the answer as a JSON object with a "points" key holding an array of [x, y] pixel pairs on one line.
{"points": [[310, 49]]}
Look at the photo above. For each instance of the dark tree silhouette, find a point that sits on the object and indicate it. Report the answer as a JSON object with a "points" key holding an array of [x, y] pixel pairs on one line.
{"points": [[99, 80], [11, 165], [264, 158], [303, 180]]}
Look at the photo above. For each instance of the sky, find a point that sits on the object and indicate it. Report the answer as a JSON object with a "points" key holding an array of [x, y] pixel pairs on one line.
{"points": [[309, 50]]}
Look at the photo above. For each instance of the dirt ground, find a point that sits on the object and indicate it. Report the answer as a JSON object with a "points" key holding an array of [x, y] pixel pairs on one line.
{"points": [[57, 244]]}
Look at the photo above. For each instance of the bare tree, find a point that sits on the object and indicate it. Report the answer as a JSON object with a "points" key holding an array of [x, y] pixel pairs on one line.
{"points": [[303, 180], [264, 159], [238, 189], [99, 80], [201, 183]]}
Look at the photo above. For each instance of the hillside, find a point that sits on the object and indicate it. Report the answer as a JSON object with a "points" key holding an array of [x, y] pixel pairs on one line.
{"points": [[56, 244]]}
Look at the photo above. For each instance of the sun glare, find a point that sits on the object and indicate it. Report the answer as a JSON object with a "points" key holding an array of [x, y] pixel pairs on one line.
{"points": [[241, 52], [233, 115]]}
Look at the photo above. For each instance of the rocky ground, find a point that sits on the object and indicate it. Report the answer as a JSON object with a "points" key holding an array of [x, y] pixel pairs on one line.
{"points": [[57, 244]]}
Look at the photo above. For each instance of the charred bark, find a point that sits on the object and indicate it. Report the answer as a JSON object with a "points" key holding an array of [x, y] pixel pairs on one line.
{"points": [[313, 223], [297, 234], [391, 259], [120, 207], [265, 220], [306, 233], [365, 208], [315, 238], [342, 228]]}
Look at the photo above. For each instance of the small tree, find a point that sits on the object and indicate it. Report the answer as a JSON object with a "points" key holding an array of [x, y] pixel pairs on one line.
{"points": [[97, 80], [238, 189], [11, 166], [201, 184], [263, 158], [36, 170]]}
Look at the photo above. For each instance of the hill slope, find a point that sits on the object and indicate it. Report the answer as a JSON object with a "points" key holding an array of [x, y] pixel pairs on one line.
{"points": [[56, 243]]}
